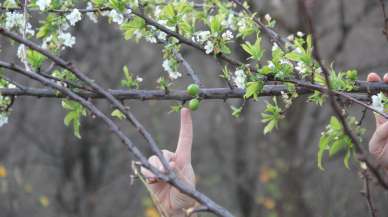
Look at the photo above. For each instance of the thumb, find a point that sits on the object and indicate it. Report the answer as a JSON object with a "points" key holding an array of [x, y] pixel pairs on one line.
{"points": [[183, 150]]}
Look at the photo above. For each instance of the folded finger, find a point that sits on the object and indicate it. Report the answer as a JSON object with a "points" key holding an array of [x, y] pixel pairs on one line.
{"points": [[373, 77], [385, 78]]}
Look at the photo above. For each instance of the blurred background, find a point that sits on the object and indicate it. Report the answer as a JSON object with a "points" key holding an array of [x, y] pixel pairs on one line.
{"points": [[46, 171]]}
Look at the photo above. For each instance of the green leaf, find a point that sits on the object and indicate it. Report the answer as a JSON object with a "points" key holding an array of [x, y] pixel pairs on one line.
{"points": [[320, 159], [215, 24], [293, 56], [335, 124], [76, 111], [252, 89], [336, 147], [69, 117], [118, 114], [175, 108], [129, 28], [269, 127], [35, 59], [119, 5], [236, 111], [271, 115], [254, 50], [347, 158]]}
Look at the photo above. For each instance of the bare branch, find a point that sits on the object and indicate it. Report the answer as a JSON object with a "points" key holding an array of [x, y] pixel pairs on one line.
{"points": [[189, 69], [366, 192], [179, 95]]}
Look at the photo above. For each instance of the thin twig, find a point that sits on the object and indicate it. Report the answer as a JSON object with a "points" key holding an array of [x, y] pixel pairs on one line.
{"points": [[189, 69], [367, 193]]}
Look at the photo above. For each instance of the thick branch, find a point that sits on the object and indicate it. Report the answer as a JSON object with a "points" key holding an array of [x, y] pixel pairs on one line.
{"points": [[180, 95]]}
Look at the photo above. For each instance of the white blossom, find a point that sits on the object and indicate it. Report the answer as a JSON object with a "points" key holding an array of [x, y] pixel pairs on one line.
{"points": [[105, 13], [318, 70], [129, 11], [11, 85], [161, 35], [116, 17], [91, 15], [300, 34], [291, 37], [242, 25], [13, 19], [201, 36], [43, 4], [274, 47], [271, 65], [46, 41], [298, 50], [209, 47], [285, 62], [164, 23], [61, 83], [21, 53], [239, 78], [377, 102], [228, 35], [301, 67], [74, 16], [29, 29], [171, 73], [139, 79], [3, 119], [268, 18], [66, 39], [64, 26], [286, 99], [138, 34], [151, 39], [157, 11], [228, 22]]}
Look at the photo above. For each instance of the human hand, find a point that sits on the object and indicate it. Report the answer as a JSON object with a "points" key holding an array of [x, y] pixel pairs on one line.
{"points": [[169, 200], [378, 144]]}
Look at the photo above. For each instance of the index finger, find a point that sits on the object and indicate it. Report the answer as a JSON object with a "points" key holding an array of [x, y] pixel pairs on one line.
{"points": [[183, 150]]}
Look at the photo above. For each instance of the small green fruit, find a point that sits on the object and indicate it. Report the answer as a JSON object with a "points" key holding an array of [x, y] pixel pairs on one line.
{"points": [[194, 104], [192, 89]]}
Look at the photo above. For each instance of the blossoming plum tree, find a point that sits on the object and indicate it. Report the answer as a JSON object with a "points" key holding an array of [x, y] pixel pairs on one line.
{"points": [[291, 68]]}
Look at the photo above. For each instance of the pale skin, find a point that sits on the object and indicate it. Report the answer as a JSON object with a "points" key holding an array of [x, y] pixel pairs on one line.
{"points": [[169, 201], [172, 203]]}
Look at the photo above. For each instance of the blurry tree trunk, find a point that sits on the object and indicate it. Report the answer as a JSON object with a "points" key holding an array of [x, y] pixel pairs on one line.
{"points": [[83, 170], [292, 182], [245, 185]]}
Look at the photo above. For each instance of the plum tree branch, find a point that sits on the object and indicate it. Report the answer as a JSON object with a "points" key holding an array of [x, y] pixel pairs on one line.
{"points": [[179, 95]]}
